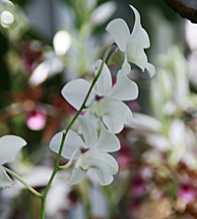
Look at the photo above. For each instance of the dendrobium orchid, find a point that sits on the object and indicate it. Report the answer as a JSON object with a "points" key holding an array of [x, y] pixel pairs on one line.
{"points": [[106, 99], [89, 149], [89, 138], [133, 44], [10, 145]]}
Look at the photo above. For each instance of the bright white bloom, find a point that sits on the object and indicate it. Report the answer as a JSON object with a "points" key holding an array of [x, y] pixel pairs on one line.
{"points": [[90, 151], [107, 104], [62, 42], [132, 44], [10, 145]]}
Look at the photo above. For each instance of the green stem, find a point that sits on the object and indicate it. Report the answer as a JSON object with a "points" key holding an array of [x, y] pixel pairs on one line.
{"points": [[83, 106], [20, 179]]}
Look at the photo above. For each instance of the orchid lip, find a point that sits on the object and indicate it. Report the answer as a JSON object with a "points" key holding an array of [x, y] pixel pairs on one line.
{"points": [[84, 150], [98, 98]]}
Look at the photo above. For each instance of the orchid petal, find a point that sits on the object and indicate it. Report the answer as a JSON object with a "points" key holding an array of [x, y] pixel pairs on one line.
{"points": [[138, 41], [104, 82], [104, 164], [124, 89], [137, 56], [139, 36], [115, 115], [72, 144], [101, 176], [128, 115], [75, 92], [77, 175], [10, 145], [120, 33], [107, 141], [88, 128], [151, 69], [126, 67]]}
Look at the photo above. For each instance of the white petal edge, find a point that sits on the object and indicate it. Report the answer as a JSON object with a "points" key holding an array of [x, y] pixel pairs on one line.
{"points": [[151, 69], [112, 117], [124, 89], [76, 176], [126, 67], [10, 146], [75, 92], [107, 168], [88, 129], [100, 177], [101, 161], [72, 144], [107, 142], [139, 35], [120, 33], [137, 55], [104, 82], [128, 115], [116, 115]]}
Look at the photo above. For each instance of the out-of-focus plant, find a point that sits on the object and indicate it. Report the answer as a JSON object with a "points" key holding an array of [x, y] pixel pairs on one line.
{"points": [[12, 20], [169, 140]]}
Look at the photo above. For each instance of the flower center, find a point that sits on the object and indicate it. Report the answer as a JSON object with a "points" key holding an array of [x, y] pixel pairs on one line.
{"points": [[98, 98], [84, 150]]}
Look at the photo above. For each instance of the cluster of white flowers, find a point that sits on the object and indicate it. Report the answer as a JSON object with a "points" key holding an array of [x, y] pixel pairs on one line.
{"points": [[89, 148], [105, 113]]}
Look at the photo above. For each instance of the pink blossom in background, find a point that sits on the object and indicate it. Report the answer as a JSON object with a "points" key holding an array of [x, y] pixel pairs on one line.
{"points": [[138, 186], [36, 119], [187, 193], [125, 157]]}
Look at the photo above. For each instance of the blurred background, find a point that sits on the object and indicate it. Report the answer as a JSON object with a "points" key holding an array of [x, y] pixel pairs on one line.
{"points": [[44, 44]]}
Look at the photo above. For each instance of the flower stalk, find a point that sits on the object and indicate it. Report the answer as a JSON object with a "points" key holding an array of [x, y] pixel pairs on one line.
{"points": [[106, 58], [21, 180]]}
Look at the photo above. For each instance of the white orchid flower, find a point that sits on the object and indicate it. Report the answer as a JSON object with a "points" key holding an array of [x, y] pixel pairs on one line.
{"points": [[107, 104], [10, 145], [133, 44], [90, 151]]}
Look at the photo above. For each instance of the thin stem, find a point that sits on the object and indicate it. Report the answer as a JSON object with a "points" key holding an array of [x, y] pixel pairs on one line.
{"points": [[20, 179], [83, 106], [69, 163]]}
